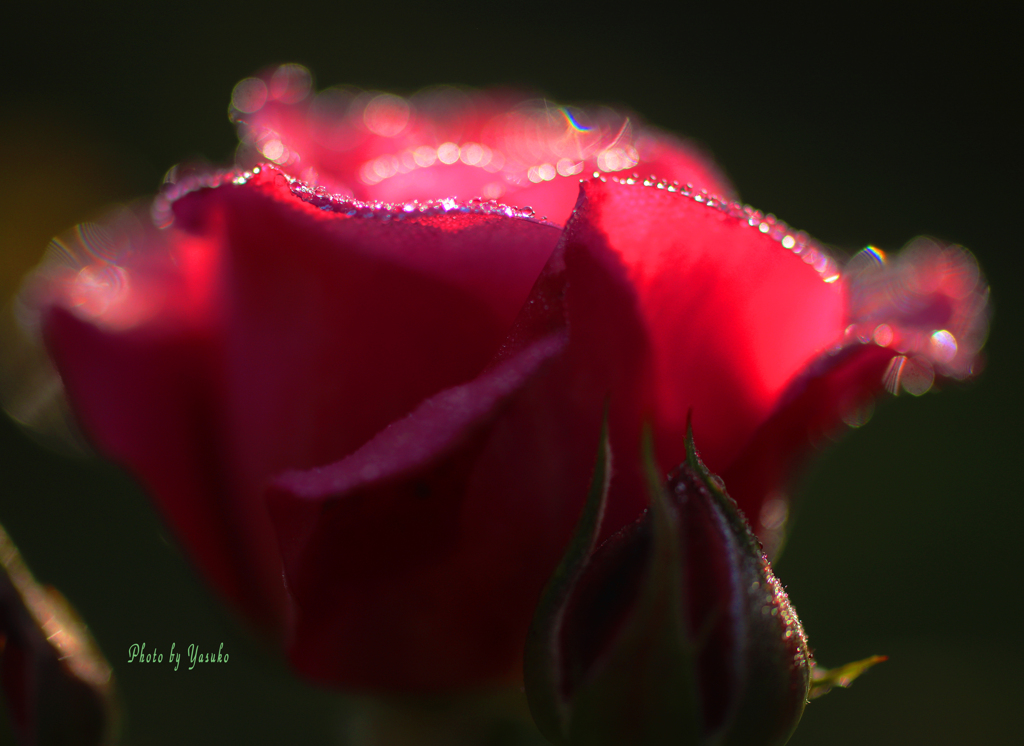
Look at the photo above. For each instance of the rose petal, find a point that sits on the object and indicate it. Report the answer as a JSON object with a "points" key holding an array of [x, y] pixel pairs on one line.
{"points": [[811, 410], [303, 333], [507, 481], [731, 314], [446, 142], [924, 311], [433, 532], [752, 326]]}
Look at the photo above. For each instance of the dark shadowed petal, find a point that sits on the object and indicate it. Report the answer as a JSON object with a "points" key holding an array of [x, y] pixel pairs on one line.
{"points": [[415, 561], [465, 508], [447, 142], [261, 332]]}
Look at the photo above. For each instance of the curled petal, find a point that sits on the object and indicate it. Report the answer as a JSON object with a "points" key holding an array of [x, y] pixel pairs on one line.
{"points": [[432, 531], [918, 316]]}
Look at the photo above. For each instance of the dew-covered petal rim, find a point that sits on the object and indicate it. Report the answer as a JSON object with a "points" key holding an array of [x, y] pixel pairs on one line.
{"points": [[754, 327], [730, 313], [449, 142]]}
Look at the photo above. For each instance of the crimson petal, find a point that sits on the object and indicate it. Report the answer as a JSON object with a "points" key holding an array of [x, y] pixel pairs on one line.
{"points": [[262, 332], [920, 316], [731, 315], [506, 482], [752, 325], [432, 532]]}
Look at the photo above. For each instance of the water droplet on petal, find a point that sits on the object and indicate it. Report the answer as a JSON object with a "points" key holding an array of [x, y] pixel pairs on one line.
{"points": [[918, 376], [860, 414], [913, 375], [893, 373]]}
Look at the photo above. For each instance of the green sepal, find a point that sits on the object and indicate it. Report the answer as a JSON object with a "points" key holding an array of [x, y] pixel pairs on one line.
{"points": [[752, 563], [645, 692], [541, 659], [824, 679]]}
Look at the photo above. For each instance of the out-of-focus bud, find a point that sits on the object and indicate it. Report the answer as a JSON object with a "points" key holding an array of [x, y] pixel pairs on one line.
{"points": [[673, 631], [59, 687]]}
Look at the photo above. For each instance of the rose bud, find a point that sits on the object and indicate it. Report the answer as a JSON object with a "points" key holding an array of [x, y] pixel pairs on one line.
{"points": [[365, 393], [674, 630], [58, 686]]}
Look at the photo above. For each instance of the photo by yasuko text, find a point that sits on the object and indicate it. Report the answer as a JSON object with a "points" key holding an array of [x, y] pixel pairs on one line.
{"points": [[138, 654]]}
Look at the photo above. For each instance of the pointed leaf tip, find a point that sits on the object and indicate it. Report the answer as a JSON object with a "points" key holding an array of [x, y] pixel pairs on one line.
{"points": [[824, 679], [716, 487], [692, 459]]}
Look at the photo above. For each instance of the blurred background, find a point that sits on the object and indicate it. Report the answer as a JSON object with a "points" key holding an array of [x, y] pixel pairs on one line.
{"points": [[872, 129]]}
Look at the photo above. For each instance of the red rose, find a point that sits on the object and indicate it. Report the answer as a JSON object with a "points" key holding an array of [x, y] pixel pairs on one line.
{"points": [[396, 406]]}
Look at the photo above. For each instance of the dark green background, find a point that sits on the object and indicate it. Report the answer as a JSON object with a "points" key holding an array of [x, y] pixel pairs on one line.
{"points": [[873, 128]]}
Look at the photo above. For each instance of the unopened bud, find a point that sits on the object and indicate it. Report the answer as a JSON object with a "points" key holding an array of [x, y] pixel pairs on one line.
{"points": [[675, 630]]}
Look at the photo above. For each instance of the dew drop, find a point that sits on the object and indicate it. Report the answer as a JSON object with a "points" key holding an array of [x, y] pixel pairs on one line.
{"points": [[859, 415], [918, 376]]}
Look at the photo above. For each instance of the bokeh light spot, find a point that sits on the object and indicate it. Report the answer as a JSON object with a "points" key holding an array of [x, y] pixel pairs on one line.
{"points": [[942, 346], [290, 83], [249, 95], [386, 115], [493, 190], [775, 511], [448, 153], [424, 156]]}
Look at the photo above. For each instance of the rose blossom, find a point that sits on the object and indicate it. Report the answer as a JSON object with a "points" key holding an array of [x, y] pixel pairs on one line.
{"points": [[350, 364]]}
